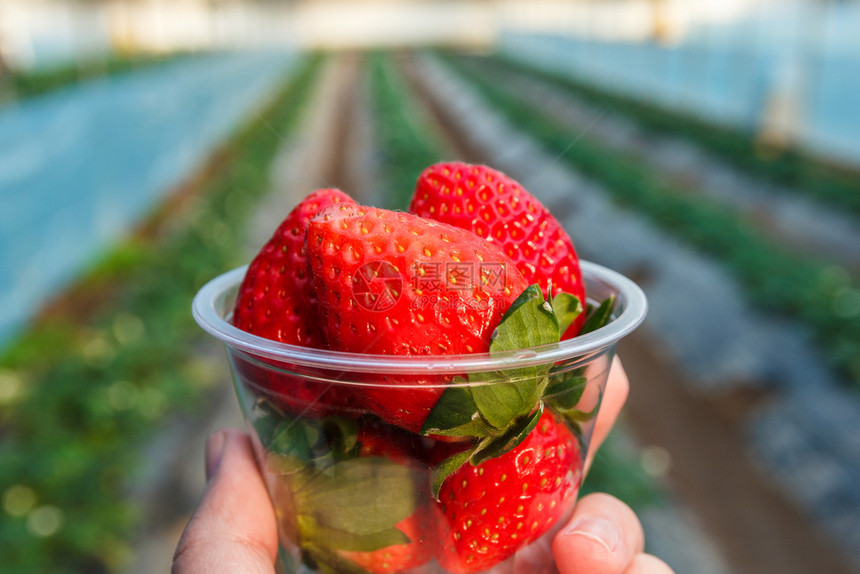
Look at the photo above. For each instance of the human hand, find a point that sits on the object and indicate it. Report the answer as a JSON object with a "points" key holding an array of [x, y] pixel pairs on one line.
{"points": [[234, 529]]}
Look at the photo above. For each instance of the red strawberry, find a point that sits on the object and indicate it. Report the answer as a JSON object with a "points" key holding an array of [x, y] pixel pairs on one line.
{"points": [[276, 301], [395, 284], [376, 440], [497, 208], [401, 557], [493, 509]]}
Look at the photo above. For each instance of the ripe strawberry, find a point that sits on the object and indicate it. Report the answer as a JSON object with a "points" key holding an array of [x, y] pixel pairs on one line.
{"points": [[276, 301], [395, 284], [353, 497], [377, 439], [400, 447], [400, 557], [493, 509], [497, 208]]}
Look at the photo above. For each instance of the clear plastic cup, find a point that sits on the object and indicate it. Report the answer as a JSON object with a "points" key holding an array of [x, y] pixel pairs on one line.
{"points": [[355, 493]]}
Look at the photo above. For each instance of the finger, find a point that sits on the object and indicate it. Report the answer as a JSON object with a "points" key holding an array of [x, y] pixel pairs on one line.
{"points": [[614, 397], [233, 529], [602, 537], [648, 564]]}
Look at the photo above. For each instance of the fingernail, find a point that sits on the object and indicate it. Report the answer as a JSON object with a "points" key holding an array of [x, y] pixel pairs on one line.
{"points": [[214, 451], [597, 528]]}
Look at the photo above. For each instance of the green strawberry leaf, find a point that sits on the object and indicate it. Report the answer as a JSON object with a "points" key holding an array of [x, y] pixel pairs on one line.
{"points": [[517, 433], [266, 420], [565, 389], [567, 308], [299, 445], [445, 469], [361, 496], [294, 444], [292, 437], [503, 403], [456, 414], [599, 316], [529, 322], [316, 533], [578, 416]]}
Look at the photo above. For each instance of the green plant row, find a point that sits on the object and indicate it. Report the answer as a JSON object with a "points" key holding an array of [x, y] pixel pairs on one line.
{"points": [[838, 186], [78, 401], [396, 111], [819, 294], [30, 84]]}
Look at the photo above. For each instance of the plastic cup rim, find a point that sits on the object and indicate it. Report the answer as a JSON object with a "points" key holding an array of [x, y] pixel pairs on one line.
{"points": [[630, 297]]}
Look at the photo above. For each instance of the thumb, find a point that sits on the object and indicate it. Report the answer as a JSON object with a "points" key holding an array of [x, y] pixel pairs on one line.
{"points": [[233, 529]]}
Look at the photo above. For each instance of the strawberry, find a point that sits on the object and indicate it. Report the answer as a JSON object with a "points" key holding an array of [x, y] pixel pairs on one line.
{"points": [[400, 557], [356, 497], [396, 284], [493, 509], [376, 439], [399, 447], [276, 301], [520, 468], [497, 208]]}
